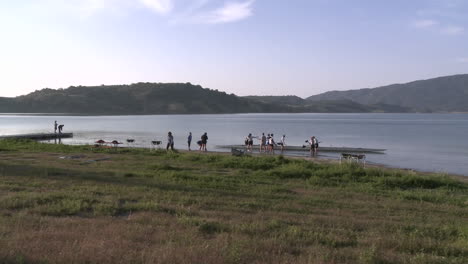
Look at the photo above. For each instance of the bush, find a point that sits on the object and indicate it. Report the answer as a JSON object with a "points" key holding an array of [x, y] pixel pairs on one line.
{"points": [[419, 182], [210, 228]]}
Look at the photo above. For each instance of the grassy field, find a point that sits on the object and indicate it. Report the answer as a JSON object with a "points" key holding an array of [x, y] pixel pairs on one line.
{"points": [[78, 204]]}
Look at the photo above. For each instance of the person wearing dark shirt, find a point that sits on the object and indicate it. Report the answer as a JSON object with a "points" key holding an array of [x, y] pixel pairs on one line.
{"points": [[189, 140], [170, 141], [204, 140]]}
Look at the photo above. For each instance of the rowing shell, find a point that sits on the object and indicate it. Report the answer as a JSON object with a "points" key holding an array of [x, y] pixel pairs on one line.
{"points": [[307, 148]]}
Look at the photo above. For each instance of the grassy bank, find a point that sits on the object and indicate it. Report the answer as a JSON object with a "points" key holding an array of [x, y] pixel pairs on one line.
{"points": [[79, 204]]}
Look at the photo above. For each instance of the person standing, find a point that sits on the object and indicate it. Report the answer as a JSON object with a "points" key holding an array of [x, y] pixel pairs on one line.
{"points": [[170, 141], [249, 140], [60, 128], [313, 145], [55, 127], [272, 144], [316, 144], [263, 141], [282, 142], [204, 140], [267, 144], [189, 140]]}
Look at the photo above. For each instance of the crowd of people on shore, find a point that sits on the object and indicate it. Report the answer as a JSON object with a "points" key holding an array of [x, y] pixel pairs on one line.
{"points": [[201, 143], [268, 144]]}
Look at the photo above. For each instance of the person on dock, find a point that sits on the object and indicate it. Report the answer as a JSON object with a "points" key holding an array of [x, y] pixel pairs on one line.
{"points": [[271, 144], [189, 140], [282, 142], [249, 141], [60, 128], [55, 127], [170, 141], [263, 142], [204, 140], [267, 143]]}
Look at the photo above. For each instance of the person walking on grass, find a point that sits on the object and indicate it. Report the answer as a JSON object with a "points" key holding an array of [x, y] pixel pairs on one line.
{"points": [[189, 140], [170, 141], [204, 140]]}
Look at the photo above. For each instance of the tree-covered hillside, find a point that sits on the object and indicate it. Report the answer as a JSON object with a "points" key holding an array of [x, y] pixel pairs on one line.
{"points": [[140, 98], [163, 98], [443, 94]]}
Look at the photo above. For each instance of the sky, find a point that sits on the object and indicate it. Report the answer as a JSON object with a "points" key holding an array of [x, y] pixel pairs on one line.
{"points": [[245, 47]]}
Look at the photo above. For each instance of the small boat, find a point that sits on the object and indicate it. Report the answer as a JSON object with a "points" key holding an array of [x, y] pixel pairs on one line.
{"points": [[306, 148]]}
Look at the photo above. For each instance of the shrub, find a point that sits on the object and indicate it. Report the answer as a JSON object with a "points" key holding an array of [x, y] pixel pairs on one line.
{"points": [[418, 182], [210, 228]]}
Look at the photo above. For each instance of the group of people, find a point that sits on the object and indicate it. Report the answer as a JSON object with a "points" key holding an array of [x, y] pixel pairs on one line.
{"points": [[267, 143], [201, 143], [313, 144], [59, 127]]}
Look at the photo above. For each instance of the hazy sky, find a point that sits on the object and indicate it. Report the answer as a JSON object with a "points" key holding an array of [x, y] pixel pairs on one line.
{"points": [[261, 47]]}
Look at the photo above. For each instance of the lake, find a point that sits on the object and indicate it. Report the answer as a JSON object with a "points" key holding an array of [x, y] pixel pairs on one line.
{"points": [[426, 142]]}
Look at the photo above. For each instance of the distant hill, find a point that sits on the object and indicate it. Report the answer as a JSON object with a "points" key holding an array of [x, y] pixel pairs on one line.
{"points": [[328, 106], [140, 98], [443, 94], [286, 99], [162, 98]]}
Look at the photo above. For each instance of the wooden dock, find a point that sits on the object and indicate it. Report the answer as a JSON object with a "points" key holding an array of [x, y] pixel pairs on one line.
{"points": [[320, 149], [40, 136]]}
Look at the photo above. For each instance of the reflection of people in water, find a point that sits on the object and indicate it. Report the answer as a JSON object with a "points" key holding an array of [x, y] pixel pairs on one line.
{"points": [[60, 128]]}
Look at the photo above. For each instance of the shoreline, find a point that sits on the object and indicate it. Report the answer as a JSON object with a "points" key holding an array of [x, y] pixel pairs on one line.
{"points": [[236, 113], [315, 159], [319, 159], [325, 160]]}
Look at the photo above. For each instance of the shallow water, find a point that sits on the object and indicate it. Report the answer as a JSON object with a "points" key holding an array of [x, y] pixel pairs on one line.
{"points": [[428, 142]]}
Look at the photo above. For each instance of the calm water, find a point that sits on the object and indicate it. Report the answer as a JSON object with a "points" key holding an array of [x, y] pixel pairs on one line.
{"points": [[428, 142]]}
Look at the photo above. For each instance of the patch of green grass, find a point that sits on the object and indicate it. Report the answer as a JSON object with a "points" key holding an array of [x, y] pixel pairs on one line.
{"points": [[215, 208]]}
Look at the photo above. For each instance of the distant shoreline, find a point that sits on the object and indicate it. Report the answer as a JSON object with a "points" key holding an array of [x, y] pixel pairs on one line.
{"points": [[261, 113]]}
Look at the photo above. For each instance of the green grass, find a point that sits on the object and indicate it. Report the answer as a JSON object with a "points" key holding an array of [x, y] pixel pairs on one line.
{"points": [[137, 206]]}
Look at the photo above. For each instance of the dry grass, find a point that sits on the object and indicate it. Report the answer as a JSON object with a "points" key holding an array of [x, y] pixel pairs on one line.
{"points": [[140, 207]]}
